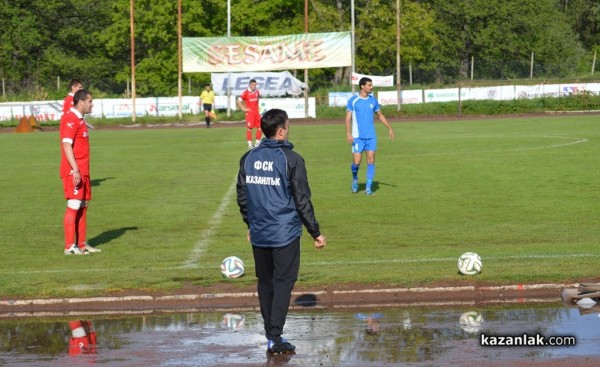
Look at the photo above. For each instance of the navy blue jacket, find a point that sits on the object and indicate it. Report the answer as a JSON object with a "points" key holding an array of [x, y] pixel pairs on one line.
{"points": [[274, 196]]}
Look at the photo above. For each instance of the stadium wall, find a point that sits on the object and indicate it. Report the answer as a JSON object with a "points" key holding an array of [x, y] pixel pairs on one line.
{"points": [[169, 106], [498, 93], [156, 106]]}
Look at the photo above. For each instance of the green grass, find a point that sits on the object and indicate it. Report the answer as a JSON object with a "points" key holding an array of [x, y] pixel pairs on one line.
{"points": [[523, 193]]}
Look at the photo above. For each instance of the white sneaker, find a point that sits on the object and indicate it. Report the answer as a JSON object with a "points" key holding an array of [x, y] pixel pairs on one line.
{"points": [[74, 250], [91, 249]]}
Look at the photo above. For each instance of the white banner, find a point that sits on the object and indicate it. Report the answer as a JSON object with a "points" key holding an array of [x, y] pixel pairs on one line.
{"points": [[387, 98], [293, 106], [486, 93], [154, 106], [378, 81], [42, 110], [268, 83], [339, 99], [299, 51]]}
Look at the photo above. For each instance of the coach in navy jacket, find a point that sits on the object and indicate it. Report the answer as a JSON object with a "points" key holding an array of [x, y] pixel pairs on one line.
{"points": [[274, 199]]}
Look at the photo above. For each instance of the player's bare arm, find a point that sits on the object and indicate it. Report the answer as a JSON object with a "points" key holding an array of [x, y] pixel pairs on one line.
{"points": [[349, 137], [71, 159], [385, 122], [242, 106]]}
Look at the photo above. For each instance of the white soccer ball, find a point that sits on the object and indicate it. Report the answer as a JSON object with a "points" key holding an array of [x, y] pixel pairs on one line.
{"points": [[232, 267], [469, 263], [471, 321]]}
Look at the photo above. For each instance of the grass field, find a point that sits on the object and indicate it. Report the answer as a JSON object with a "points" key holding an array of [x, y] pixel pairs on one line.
{"points": [[523, 193]]}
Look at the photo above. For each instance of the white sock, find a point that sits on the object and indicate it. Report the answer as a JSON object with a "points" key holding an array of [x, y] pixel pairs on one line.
{"points": [[249, 143]]}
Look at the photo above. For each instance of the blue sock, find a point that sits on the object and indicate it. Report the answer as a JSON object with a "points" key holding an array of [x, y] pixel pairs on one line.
{"points": [[354, 169], [370, 175]]}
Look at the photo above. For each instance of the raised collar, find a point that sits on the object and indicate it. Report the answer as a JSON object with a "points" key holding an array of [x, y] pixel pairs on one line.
{"points": [[77, 113]]}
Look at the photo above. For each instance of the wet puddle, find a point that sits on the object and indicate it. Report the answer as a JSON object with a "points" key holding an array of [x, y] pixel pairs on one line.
{"points": [[388, 336]]}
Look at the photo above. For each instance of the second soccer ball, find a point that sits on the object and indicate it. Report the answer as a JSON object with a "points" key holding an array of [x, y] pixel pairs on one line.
{"points": [[469, 263]]}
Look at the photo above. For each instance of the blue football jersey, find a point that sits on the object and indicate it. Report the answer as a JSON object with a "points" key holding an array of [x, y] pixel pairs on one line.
{"points": [[363, 111]]}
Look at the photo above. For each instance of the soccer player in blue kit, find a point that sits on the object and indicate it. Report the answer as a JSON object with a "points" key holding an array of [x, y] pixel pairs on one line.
{"points": [[360, 131]]}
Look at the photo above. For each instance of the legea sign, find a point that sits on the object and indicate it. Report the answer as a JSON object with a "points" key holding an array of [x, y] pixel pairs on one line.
{"points": [[269, 84]]}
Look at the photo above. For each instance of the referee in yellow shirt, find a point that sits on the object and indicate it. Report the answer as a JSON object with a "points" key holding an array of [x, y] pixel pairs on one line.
{"points": [[207, 98]]}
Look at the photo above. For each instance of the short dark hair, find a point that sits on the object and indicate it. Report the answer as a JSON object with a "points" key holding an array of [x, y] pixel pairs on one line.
{"points": [[364, 80], [272, 120], [74, 82], [80, 95], [252, 81]]}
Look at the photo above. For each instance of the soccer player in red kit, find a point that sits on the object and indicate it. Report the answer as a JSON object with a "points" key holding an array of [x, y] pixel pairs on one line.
{"points": [[74, 86], [248, 102], [75, 173]]}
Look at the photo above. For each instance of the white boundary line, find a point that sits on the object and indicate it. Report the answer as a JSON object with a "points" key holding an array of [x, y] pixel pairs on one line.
{"points": [[213, 225], [551, 146], [445, 259]]}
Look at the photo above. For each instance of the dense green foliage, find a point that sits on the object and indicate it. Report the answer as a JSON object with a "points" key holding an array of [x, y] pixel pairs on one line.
{"points": [[43, 44]]}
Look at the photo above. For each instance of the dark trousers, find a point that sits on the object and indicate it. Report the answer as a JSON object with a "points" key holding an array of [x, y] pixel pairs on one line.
{"points": [[277, 272]]}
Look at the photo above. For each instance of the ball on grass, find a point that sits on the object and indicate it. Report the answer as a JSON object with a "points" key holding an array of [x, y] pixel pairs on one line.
{"points": [[232, 267], [469, 263]]}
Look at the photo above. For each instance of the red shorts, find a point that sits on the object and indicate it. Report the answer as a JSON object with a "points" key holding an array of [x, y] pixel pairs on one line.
{"points": [[252, 120], [82, 192]]}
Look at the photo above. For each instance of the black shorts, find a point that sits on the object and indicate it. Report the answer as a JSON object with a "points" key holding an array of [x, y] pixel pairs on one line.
{"points": [[207, 107]]}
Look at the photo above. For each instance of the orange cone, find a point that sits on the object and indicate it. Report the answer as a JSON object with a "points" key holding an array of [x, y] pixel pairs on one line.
{"points": [[24, 126], [33, 122]]}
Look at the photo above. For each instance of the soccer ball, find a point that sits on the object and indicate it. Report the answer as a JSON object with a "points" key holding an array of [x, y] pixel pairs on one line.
{"points": [[471, 321], [469, 263], [232, 267]]}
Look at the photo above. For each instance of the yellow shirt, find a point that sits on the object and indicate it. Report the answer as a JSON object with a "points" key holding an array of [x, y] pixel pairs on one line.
{"points": [[207, 97]]}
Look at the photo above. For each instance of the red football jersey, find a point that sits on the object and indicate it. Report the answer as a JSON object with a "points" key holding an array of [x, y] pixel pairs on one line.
{"points": [[68, 103], [73, 130], [251, 99]]}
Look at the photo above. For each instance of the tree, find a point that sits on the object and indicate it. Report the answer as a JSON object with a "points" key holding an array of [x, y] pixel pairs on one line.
{"points": [[19, 38], [328, 16], [376, 35], [584, 18], [155, 41], [41, 40], [267, 18], [500, 35]]}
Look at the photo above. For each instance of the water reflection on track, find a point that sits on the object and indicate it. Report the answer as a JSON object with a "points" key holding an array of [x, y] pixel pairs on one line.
{"points": [[374, 336]]}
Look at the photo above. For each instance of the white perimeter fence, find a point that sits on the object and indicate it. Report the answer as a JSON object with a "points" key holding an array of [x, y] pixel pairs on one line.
{"points": [[169, 106]]}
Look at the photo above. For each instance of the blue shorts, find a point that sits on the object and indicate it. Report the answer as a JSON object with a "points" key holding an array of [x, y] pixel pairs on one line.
{"points": [[361, 145]]}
